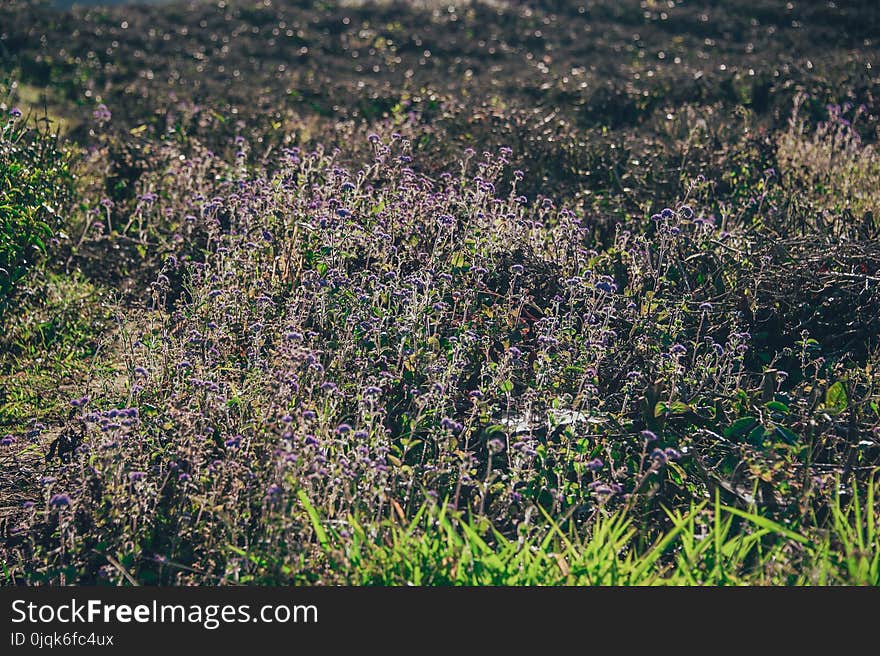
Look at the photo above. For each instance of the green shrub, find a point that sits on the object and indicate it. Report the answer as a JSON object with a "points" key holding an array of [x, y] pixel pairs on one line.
{"points": [[35, 186]]}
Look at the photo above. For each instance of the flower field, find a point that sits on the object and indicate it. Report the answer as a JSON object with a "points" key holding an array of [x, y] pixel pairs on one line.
{"points": [[478, 294]]}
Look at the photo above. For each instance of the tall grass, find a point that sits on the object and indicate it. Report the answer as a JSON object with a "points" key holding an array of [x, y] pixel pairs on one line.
{"points": [[711, 544]]}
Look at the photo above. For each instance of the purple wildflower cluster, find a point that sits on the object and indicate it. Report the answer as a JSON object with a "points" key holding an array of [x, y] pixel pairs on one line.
{"points": [[372, 334]]}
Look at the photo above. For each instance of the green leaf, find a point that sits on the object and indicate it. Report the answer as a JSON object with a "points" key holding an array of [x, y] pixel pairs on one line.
{"points": [[320, 533], [776, 406], [835, 398], [786, 435], [756, 436], [674, 408], [741, 427], [676, 473]]}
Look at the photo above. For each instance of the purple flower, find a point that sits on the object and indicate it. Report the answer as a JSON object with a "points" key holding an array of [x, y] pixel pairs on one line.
{"points": [[495, 446], [342, 429], [309, 414], [183, 477], [233, 442], [705, 307], [649, 436], [7, 440], [15, 112], [595, 464], [137, 476], [667, 213], [451, 425], [678, 349], [273, 491], [59, 501], [446, 220], [659, 456], [517, 269], [672, 454], [515, 353], [102, 114]]}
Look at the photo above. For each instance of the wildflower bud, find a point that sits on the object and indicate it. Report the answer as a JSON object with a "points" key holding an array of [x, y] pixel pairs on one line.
{"points": [[59, 501], [649, 436]]}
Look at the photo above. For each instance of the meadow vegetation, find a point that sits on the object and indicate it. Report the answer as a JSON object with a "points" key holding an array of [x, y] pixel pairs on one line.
{"points": [[464, 293]]}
